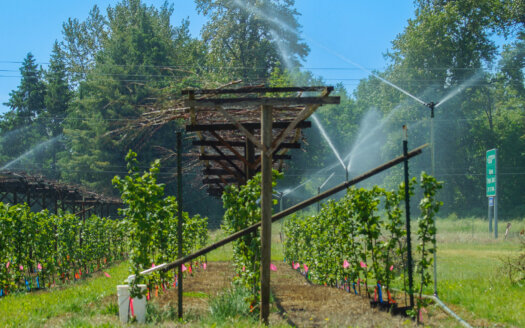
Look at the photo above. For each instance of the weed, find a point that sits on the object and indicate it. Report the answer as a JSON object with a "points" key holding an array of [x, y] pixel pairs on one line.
{"points": [[231, 304]]}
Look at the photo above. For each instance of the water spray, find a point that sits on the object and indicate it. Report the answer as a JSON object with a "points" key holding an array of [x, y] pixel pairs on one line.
{"points": [[321, 187]]}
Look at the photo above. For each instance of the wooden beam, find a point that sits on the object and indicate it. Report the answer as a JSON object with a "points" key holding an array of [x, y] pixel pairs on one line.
{"points": [[207, 157], [238, 124], [209, 171], [290, 145], [218, 180], [254, 90], [233, 150], [256, 101], [222, 156], [240, 178], [247, 126]]}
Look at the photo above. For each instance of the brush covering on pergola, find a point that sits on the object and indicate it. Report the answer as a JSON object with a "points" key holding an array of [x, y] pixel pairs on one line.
{"points": [[227, 123]]}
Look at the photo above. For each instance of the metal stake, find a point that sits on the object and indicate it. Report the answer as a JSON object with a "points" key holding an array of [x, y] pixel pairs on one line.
{"points": [[407, 213], [179, 223]]}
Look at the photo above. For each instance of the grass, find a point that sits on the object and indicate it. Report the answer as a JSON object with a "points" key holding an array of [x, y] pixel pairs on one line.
{"points": [[470, 270], [71, 305]]}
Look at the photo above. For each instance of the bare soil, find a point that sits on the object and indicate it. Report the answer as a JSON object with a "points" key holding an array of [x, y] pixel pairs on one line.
{"points": [[296, 301]]}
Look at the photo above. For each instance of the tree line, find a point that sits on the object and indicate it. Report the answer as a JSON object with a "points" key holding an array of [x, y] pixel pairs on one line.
{"points": [[120, 62]]}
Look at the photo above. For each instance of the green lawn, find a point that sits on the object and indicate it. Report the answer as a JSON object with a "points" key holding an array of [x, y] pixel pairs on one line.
{"points": [[471, 274], [71, 305]]}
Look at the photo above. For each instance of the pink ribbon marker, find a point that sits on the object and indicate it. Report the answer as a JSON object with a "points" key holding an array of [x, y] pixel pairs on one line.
{"points": [[131, 307], [391, 267], [363, 264], [107, 274], [273, 267], [204, 265], [21, 267], [184, 268], [7, 265], [296, 266], [305, 268], [345, 264], [39, 266], [243, 268], [152, 265]]}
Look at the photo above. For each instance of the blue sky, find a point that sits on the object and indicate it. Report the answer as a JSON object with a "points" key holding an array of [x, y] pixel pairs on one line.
{"points": [[360, 31]]}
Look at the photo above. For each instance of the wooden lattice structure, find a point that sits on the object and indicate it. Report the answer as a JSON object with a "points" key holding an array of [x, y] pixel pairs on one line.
{"points": [[229, 128], [263, 118], [42, 193]]}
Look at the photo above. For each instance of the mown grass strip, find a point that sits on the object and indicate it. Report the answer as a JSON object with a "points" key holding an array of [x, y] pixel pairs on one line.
{"points": [[35, 309]]}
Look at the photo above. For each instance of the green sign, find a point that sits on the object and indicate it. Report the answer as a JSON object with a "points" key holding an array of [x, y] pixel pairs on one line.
{"points": [[491, 172]]}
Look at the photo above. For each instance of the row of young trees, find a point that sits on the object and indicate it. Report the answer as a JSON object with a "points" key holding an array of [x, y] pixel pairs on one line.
{"points": [[40, 249], [362, 238], [151, 222], [242, 210]]}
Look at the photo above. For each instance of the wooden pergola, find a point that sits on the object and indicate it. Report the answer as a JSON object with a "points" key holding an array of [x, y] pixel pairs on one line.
{"points": [[43, 193], [240, 131], [227, 123], [260, 120]]}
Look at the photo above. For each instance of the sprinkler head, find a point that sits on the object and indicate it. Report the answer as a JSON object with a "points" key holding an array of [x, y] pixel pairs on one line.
{"points": [[431, 105]]}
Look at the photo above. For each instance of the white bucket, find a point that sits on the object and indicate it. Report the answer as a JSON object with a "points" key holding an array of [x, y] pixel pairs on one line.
{"points": [[139, 305]]}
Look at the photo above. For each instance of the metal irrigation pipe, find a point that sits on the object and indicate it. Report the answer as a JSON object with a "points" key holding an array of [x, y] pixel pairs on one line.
{"points": [[286, 212], [442, 305]]}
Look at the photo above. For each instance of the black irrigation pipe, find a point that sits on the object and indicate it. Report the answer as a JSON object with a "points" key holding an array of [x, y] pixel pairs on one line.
{"points": [[286, 212]]}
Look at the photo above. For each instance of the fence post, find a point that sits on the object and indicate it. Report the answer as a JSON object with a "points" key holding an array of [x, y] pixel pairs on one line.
{"points": [[407, 213], [266, 210], [179, 221]]}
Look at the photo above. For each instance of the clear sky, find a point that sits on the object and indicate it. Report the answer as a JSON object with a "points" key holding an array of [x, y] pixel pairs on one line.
{"points": [[359, 30]]}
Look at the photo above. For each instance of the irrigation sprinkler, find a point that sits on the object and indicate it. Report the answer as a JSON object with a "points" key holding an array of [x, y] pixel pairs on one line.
{"points": [[432, 105]]}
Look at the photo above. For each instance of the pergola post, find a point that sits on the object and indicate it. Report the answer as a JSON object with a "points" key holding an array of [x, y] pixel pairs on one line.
{"points": [[266, 209]]}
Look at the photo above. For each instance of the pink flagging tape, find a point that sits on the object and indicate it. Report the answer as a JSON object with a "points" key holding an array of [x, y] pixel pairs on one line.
{"points": [[131, 306]]}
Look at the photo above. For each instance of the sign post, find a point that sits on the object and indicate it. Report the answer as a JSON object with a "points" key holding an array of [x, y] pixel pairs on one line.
{"points": [[491, 190]]}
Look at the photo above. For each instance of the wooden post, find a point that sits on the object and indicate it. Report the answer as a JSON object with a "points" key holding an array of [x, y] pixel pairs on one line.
{"points": [[266, 210], [407, 222], [179, 223], [250, 157]]}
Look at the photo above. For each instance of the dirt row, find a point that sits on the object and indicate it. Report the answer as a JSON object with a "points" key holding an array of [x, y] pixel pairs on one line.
{"points": [[297, 302]]}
